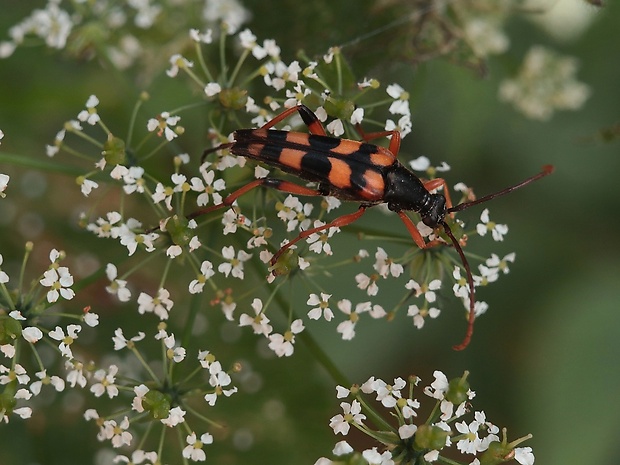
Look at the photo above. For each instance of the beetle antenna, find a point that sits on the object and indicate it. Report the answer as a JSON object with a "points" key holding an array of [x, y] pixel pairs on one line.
{"points": [[470, 282], [214, 149], [546, 170]]}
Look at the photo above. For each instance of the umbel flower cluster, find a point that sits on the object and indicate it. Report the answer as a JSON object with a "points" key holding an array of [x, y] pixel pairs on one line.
{"points": [[159, 260], [449, 425]]}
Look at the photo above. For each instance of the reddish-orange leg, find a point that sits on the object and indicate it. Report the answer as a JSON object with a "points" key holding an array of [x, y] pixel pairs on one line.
{"points": [[337, 223], [278, 184]]}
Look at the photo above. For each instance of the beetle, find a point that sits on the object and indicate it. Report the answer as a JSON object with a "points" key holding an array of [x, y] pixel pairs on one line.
{"points": [[352, 171]]}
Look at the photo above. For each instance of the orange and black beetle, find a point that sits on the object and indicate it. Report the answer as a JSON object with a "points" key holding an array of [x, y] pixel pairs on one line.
{"points": [[354, 171]]}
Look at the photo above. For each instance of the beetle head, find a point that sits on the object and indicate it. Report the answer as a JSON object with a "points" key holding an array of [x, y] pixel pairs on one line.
{"points": [[434, 211]]}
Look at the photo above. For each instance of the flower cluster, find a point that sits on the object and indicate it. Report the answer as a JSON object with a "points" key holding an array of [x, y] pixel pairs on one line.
{"points": [[179, 231], [468, 32], [124, 35], [26, 319], [181, 202], [545, 83], [163, 400], [450, 425]]}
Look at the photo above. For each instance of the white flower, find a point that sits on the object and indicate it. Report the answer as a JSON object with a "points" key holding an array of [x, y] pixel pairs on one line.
{"points": [[120, 341], [367, 282], [86, 185], [140, 392], [32, 334], [133, 180], [173, 352], [117, 433], [260, 322], [117, 286], [90, 115], [90, 318], [105, 382], [56, 381], [461, 286], [419, 314], [294, 213], [322, 309], [407, 431], [336, 128], [75, 373], [374, 457], [438, 387], [234, 265], [385, 266], [164, 193], [524, 455], [17, 373], [4, 278], [178, 62], [485, 36], [206, 272], [159, 305], [282, 344], [501, 264], [498, 231], [352, 414], [212, 88], [357, 116], [4, 182], [218, 379], [66, 340], [403, 126], [130, 239], [105, 227], [164, 124], [205, 38], [427, 289], [193, 450], [230, 12], [247, 39], [318, 241], [231, 221], [388, 394], [209, 187], [400, 105], [423, 164], [51, 24], [176, 416], [347, 327], [60, 280]]}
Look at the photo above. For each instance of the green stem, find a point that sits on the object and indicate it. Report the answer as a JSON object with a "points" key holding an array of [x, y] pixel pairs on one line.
{"points": [[40, 164]]}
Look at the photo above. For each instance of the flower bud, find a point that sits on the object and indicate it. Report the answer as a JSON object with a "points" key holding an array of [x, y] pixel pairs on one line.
{"points": [[10, 330], [430, 437], [157, 403], [114, 151], [458, 389]]}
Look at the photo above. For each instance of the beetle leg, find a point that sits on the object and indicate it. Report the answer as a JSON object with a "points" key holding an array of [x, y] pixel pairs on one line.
{"points": [[413, 230], [394, 146], [278, 184], [309, 118], [435, 184], [337, 223]]}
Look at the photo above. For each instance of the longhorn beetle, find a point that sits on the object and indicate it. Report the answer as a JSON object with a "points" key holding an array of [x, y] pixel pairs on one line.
{"points": [[354, 171]]}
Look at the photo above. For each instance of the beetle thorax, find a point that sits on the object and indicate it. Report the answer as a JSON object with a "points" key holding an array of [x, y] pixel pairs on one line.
{"points": [[405, 191], [434, 212]]}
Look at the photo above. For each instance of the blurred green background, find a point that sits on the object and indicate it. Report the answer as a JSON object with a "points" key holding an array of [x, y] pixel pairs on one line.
{"points": [[545, 359]]}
